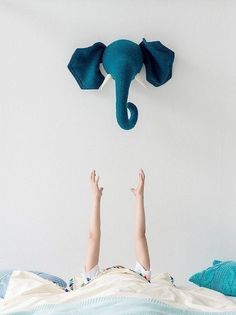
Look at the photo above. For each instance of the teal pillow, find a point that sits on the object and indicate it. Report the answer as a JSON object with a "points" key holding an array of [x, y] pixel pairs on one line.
{"points": [[221, 277]]}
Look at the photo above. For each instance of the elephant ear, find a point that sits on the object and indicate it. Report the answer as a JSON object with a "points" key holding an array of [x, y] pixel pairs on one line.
{"points": [[158, 61], [84, 65]]}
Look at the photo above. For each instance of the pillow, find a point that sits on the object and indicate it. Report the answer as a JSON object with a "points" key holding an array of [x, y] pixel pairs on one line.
{"points": [[221, 277], [6, 274]]}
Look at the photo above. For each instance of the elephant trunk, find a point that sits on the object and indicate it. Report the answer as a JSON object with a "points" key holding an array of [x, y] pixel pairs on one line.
{"points": [[122, 107]]}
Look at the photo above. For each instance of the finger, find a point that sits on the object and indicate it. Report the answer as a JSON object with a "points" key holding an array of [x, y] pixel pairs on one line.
{"points": [[94, 175], [97, 180], [101, 189], [142, 174], [140, 177]]}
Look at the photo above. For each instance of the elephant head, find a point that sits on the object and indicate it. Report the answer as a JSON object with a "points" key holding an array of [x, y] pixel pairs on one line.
{"points": [[122, 60]]}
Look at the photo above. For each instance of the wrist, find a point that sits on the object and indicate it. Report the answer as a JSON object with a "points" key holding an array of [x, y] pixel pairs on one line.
{"points": [[140, 197], [96, 198]]}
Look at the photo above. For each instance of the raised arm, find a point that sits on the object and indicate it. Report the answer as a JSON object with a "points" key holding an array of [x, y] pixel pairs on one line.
{"points": [[92, 256], [141, 246]]}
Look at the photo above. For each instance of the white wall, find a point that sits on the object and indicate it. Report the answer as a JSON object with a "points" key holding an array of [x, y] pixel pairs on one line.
{"points": [[53, 134]]}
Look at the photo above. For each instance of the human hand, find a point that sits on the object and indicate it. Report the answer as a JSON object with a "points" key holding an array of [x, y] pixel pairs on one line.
{"points": [[139, 190], [96, 190]]}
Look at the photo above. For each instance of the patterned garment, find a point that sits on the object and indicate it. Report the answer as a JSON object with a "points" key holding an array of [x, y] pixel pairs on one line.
{"points": [[87, 277]]}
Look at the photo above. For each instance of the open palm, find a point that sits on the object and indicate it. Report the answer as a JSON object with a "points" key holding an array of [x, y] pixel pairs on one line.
{"points": [[139, 190]]}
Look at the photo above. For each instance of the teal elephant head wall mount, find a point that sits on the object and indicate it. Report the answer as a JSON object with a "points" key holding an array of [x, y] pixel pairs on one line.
{"points": [[122, 60]]}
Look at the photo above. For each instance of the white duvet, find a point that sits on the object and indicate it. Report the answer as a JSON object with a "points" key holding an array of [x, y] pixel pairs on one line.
{"points": [[26, 290]]}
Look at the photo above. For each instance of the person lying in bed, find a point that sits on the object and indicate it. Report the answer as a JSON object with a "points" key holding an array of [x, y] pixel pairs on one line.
{"points": [[142, 266]]}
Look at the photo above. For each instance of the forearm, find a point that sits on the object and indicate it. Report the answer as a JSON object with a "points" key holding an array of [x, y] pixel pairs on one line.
{"points": [[95, 221], [93, 250], [142, 252], [140, 229]]}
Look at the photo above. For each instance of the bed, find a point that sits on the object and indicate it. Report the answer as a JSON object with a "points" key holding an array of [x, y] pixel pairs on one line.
{"points": [[29, 294]]}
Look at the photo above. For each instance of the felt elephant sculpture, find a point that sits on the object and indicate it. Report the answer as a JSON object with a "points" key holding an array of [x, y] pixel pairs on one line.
{"points": [[122, 60]]}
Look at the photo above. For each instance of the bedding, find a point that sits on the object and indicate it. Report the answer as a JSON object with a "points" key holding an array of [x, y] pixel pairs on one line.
{"points": [[221, 276], [6, 274], [113, 293], [114, 305]]}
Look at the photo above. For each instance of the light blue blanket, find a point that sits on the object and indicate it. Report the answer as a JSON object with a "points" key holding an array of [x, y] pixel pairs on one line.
{"points": [[115, 306]]}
